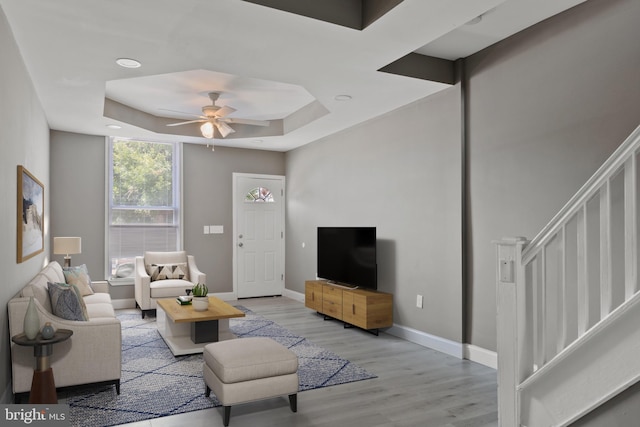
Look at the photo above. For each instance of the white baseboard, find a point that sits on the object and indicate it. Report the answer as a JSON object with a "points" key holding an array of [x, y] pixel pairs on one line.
{"points": [[119, 304], [226, 296], [231, 296], [424, 339], [462, 351], [481, 355], [294, 295]]}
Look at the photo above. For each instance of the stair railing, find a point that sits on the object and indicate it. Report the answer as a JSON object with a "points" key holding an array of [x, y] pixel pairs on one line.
{"points": [[573, 274]]}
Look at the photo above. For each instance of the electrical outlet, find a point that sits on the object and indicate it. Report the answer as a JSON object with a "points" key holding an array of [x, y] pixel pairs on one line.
{"points": [[419, 301]]}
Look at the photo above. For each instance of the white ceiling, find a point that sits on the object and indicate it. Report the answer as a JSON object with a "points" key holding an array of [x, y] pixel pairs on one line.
{"points": [[268, 64]]}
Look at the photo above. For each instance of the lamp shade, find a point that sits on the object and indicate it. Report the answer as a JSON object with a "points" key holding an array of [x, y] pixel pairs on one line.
{"points": [[207, 130], [67, 245]]}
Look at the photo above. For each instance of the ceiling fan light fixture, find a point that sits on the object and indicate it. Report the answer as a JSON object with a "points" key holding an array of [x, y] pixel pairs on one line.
{"points": [[207, 130], [224, 128]]}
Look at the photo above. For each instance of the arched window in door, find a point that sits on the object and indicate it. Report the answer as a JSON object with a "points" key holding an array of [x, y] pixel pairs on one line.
{"points": [[259, 195]]}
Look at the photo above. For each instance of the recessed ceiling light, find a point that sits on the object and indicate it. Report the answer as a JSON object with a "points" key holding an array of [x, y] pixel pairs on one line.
{"points": [[343, 97], [128, 63], [114, 126]]}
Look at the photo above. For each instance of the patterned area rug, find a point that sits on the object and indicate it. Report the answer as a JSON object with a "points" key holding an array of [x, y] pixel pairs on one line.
{"points": [[156, 384]]}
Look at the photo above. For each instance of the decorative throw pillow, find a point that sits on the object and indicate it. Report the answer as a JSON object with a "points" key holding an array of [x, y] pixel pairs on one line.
{"points": [[83, 306], [125, 270], [168, 271], [66, 301], [79, 276]]}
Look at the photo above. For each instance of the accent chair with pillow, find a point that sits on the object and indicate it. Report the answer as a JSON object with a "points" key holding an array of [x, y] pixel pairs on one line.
{"points": [[164, 275]]}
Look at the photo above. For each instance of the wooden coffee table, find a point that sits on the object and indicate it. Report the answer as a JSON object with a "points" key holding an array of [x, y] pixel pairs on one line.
{"points": [[187, 331]]}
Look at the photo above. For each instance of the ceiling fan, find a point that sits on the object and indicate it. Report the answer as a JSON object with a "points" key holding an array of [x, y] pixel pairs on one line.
{"points": [[214, 116]]}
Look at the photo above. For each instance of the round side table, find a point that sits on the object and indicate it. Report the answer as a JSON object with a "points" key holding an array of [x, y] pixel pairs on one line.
{"points": [[43, 386]]}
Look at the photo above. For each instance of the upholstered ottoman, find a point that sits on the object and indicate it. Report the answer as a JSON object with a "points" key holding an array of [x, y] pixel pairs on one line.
{"points": [[247, 369]]}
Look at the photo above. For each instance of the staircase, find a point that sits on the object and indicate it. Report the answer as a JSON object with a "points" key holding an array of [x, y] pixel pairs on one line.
{"points": [[568, 302]]}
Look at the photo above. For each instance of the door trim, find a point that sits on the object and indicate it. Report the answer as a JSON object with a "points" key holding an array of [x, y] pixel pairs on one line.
{"points": [[234, 240]]}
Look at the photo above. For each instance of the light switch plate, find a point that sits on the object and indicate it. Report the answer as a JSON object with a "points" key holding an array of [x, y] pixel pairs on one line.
{"points": [[216, 229], [206, 229]]}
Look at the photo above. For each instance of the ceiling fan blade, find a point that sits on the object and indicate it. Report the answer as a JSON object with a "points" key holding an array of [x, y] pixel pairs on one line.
{"points": [[246, 121], [182, 112], [186, 123], [224, 111], [223, 128]]}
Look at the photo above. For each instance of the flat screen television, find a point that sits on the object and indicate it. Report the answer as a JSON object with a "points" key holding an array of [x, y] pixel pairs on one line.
{"points": [[347, 256]]}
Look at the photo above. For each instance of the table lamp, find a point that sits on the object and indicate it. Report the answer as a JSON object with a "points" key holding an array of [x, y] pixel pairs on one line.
{"points": [[67, 246]]}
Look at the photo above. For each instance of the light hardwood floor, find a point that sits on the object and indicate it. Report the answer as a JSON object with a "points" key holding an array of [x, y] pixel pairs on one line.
{"points": [[416, 386]]}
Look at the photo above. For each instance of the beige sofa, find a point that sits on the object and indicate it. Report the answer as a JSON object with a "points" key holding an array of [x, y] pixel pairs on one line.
{"points": [[93, 354]]}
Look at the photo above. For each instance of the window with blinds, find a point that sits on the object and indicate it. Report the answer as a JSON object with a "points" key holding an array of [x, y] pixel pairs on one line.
{"points": [[143, 202]]}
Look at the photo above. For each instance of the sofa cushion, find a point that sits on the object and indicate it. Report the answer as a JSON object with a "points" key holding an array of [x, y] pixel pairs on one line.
{"points": [[97, 298], [169, 288], [66, 301], [79, 276], [168, 271], [99, 306], [100, 310]]}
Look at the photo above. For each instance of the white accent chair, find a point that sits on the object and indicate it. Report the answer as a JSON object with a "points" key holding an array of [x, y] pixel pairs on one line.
{"points": [[148, 290]]}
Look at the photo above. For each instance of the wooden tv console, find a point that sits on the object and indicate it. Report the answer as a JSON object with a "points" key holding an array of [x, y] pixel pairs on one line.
{"points": [[364, 308]]}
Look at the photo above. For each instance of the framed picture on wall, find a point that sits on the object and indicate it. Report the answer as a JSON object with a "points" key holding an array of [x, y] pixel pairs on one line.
{"points": [[30, 215]]}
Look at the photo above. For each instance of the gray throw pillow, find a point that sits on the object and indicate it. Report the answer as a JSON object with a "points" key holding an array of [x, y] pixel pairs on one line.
{"points": [[66, 301]]}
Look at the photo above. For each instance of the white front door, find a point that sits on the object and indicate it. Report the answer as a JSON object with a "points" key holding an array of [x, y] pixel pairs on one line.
{"points": [[258, 207]]}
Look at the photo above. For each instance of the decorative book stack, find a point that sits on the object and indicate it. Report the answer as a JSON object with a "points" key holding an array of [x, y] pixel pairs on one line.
{"points": [[184, 300]]}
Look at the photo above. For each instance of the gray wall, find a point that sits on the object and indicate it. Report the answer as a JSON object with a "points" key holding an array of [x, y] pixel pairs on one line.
{"points": [[402, 174], [79, 208], [207, 201], [546, 108], [77, 189], [24, 138]]}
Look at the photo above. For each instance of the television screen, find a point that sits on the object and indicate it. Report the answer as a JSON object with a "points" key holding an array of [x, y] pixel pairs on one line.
{"points": [[347, 255]]}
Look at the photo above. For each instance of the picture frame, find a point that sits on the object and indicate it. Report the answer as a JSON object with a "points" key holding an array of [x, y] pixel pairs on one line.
{"points": [[30, 215]]}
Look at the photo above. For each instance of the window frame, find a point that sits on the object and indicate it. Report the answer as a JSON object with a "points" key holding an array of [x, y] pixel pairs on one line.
{"points": [[250, 198], [177, 180]]}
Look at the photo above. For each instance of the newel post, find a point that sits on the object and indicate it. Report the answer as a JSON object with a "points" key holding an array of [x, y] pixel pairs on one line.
{"points": [[510, 327]]}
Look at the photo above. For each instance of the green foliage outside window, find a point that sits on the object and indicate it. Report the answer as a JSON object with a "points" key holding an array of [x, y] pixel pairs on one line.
{"points": [[142, 188]]}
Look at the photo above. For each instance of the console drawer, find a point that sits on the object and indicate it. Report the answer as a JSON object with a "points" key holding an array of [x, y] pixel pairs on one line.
{"points": [[332, 301]]}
